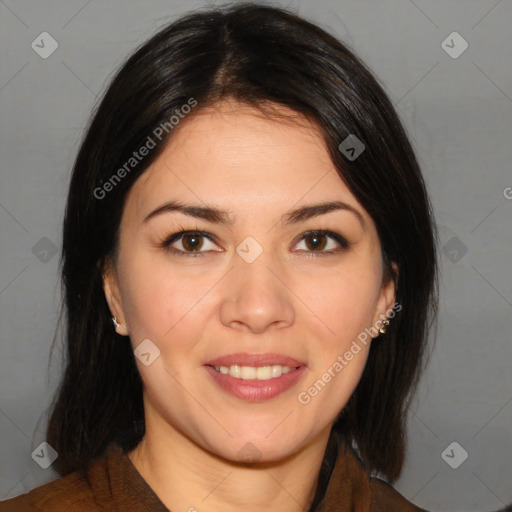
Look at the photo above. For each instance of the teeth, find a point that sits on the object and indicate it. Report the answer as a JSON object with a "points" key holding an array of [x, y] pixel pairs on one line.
{"points": [[254, 373], [277, 370]]}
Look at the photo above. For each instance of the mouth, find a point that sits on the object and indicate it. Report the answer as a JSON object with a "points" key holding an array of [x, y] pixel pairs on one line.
{"points": [[255, 378], [266, 372]]}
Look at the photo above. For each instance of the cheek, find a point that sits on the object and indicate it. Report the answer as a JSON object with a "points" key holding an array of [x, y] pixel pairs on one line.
{"points": [[345, 300], [160, 302], [149, 294], [346, 308]]}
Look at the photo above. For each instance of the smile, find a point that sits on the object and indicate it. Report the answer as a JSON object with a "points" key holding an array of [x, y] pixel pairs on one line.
{"points": [[255, 384], [254, 372]]}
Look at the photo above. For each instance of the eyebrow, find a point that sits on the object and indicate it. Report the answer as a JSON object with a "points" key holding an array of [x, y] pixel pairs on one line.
{"points": [[216, 216]]}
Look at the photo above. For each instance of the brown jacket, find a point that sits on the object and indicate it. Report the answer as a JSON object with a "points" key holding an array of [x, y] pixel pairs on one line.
{"points": [[113, 484]]}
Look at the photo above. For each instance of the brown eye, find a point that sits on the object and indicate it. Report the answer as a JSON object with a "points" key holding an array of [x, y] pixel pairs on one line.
{"points": [[192, 242], [317, 241]]}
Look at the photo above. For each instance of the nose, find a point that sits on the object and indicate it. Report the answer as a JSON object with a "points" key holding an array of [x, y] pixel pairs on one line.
{"points": [[256, 296]]}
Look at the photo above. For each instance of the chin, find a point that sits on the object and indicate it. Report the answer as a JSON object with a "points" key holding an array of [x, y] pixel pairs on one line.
{"points": [[259, 449]]}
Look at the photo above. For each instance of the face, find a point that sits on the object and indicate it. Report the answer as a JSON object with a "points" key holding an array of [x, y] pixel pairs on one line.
{"points": [[255, 291]]}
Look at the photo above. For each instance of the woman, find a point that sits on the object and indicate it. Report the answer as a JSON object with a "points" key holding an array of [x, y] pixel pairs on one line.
{"points": [[249, 267]]}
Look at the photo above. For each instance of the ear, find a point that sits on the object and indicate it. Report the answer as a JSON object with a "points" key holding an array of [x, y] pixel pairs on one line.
{"points": [[386, 301], [113, 296]]}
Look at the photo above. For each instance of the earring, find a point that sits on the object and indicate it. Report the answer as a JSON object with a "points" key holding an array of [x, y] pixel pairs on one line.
{"points": [[115, 322], [384, 327]]}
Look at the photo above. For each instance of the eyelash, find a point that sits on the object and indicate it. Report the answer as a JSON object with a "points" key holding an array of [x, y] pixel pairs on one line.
{"points": [[166, 244]]}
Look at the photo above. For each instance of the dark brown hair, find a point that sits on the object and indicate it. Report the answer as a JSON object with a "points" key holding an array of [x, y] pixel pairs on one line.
{"points": [[259, 56]]}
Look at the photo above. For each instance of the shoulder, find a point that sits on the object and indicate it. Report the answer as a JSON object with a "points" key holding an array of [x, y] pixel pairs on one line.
{"points": [[68, 493], [77, 491], [109, 483], [385, 498], [352, 488]]}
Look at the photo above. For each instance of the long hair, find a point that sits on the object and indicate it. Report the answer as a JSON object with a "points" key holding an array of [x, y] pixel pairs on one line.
{"points": [[259, 56]]}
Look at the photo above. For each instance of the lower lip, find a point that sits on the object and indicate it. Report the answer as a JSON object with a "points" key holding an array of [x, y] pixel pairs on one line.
{"points": [[254, 390]]}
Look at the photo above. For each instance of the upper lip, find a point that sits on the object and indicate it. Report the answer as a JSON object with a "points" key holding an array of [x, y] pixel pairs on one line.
{"points": [[255, 360]]}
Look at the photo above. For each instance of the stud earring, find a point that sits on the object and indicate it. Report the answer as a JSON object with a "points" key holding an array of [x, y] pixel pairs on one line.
{"points": [[115, 322], [384, 327]]}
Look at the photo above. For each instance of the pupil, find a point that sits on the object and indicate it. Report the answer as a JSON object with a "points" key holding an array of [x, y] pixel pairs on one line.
{"points": [[317, 242], [191, 242]]}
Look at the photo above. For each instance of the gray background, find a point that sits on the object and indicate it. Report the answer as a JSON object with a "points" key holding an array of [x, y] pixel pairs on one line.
{"points": [[458, 112]]}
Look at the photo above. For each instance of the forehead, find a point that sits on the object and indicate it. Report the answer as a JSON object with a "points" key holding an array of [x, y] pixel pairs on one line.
{"points": [[238, 157]]}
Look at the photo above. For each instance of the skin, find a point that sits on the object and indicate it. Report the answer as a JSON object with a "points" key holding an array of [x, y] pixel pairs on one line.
{"points": [[197, 308]]}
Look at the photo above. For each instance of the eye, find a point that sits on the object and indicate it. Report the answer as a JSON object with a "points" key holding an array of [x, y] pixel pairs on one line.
{"points": [[191, 242], [315, 242]]}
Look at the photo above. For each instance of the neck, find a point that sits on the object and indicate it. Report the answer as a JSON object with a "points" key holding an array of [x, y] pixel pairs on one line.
{"points": [[187, 477]]}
